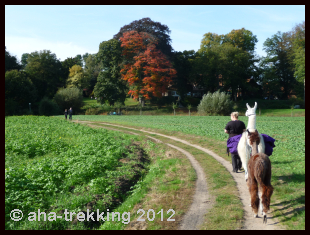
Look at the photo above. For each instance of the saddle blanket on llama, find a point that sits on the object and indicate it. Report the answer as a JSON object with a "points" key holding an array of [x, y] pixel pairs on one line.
{"points": [[232, 144]]}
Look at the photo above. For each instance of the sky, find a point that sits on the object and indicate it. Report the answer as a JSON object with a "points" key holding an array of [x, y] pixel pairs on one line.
{"points": [[70, 30]]}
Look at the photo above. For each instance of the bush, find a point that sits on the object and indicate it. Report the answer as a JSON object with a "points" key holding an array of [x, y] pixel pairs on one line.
{"points": [[92, 111], [218, 103], [69, 97], [48, 107]]}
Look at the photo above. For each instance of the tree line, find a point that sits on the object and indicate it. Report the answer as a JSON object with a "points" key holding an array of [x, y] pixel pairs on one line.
{"points": [[139, 61]]}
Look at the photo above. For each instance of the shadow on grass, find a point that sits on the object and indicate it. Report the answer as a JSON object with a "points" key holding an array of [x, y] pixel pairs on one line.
{"points": [[293, 178], [286, 208]]}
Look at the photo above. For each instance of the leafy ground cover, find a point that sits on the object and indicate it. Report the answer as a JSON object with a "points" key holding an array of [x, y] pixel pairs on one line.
{"points": [[288, 158], [52, 165]]}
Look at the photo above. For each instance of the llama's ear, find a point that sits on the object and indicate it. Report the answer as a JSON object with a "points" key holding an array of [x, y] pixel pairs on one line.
{"points": [[248, 106], [255, 106]]}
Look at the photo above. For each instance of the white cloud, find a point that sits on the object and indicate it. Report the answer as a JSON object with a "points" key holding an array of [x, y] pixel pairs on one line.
{"points": [[19, 45]]}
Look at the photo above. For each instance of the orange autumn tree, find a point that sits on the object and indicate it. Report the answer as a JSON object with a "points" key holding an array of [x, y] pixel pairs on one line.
{"points": [[147, 70]]}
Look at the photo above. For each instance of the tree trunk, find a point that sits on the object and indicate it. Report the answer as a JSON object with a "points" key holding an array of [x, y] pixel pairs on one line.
{"points": [[304, 94], [142, 101]]}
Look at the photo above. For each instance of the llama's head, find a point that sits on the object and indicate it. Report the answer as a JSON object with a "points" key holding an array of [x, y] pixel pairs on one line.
{"points": [[250, 111], [253, 137]]}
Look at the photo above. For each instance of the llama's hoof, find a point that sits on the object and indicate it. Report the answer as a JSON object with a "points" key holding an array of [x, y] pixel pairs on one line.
{"points": [[265, 219], [256, 216]]}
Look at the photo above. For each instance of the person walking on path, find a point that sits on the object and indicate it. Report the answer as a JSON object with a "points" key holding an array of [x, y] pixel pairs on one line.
{"points": [[233, 128], [70, 113], [66, 113]]}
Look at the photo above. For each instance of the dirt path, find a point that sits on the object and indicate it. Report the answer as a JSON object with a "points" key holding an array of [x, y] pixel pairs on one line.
{"points": [[250, 223], [194, 217]]}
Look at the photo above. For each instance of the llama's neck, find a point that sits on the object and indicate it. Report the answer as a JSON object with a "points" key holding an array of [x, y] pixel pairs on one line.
{"points": [[254, 148], [252, 122]]}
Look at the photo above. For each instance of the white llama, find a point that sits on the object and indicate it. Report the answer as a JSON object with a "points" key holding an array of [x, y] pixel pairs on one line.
{"points": [[243, 147]]}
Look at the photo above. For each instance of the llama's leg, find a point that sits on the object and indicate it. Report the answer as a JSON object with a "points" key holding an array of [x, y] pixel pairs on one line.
{"points": [[254, 199], [260, 202], [246, 157], [265, 187], [242, 154], [266, 195], [253, 188]]}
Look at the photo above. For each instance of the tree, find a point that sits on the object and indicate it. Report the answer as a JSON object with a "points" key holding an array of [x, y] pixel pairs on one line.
{"points": [[156, 29], [76, 77], [91, 70], [11, 62], [278, 50], [243, 39], [24, 60], [268, 79], [67, 64], [211, 40], [69, 97], [146, 69], [181, 62], [79, 60], [84, 57], [234, 67], [19, 89], [300, 70], [46, 72], [226, 61], [297, 39], [110, 87]]}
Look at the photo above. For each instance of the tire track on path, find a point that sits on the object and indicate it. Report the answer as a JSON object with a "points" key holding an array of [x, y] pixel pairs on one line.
{"points": [[250, 223], [194, 217]]}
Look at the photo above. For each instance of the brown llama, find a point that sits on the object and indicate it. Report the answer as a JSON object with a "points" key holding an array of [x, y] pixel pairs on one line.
{"points": [[259, 167]]}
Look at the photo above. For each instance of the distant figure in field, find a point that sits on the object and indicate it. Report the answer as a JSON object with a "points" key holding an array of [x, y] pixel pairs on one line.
{"points": [[66, 113], [70, 113]]}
